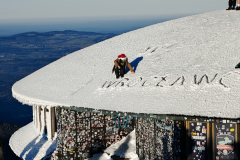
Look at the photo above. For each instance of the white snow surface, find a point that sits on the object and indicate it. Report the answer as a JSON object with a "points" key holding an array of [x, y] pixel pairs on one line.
{"points": [[177, 53], [28, 144], [125, 148]]}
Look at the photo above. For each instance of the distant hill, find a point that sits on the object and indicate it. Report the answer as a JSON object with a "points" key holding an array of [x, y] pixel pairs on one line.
{"points": [[49, 44], [24, 53]]}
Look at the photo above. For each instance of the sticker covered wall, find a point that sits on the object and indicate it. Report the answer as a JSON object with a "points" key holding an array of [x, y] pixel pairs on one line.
{"points": [[80, 134], [160, 139], [198, 133], [225, 141]]}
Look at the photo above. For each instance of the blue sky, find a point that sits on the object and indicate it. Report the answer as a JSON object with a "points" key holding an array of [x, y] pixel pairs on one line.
{"points": [[32, 9], [104, 16]]}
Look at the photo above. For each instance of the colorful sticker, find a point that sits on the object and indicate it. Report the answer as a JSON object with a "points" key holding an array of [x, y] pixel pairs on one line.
{"points": [[199, 140], [225, 141]]}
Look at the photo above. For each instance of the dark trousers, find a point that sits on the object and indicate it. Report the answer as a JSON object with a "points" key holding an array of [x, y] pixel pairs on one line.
{"points": [[120, 72], [231, 3]]}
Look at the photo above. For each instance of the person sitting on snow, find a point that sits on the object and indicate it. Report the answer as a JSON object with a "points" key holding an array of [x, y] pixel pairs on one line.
{"points": [[120, 65]]}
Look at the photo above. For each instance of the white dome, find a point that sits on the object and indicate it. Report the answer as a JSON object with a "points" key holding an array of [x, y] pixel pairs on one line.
{"points": [[184, 66]]}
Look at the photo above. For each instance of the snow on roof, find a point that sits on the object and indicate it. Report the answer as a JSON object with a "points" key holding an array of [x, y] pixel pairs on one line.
{"points": [[28, 144], [183, 66]]}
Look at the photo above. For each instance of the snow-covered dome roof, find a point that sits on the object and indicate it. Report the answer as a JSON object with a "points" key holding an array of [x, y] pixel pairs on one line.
{"points": [[184, 66]]}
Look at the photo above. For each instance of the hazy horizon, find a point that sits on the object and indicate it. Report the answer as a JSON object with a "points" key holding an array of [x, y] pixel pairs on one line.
{"points": [[105, 16], [104, 8], [116, 25]]}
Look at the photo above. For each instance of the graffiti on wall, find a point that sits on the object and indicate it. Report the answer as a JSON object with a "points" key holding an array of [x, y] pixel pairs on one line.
{"points": [[225, 141], [68, 132], [199, 140], [82, 134], [178, 140], [164, 139], [145, 138], [159, 139], [118, 127]]}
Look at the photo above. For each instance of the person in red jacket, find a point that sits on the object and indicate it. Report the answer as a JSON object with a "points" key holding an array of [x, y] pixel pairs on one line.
{"points": [[120, 65]]}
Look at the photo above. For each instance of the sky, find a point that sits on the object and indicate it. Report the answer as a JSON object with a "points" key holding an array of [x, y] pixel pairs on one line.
{"points": [[15, 9], [96, 15]]}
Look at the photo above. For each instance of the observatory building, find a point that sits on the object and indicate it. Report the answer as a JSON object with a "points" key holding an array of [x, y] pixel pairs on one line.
{"points": [[182, 102]]}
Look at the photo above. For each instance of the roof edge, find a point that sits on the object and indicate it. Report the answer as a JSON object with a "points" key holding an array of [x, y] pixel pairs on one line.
{"points": [[31, 101]]}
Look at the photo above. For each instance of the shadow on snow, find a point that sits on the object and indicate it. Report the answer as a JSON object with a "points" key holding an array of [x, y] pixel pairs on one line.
{"points": [[33, 148], [135, 63]]}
